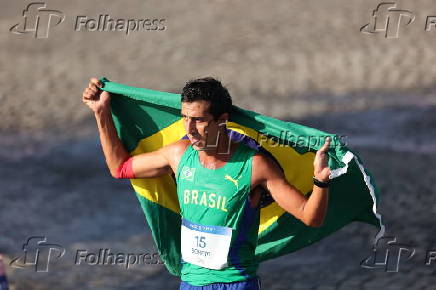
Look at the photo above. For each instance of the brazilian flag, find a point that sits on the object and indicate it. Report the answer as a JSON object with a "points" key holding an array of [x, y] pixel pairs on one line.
{"points": [[146, 120]]}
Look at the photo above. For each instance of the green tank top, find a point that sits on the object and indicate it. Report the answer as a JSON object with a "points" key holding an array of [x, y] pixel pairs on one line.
{"points": [[217, 200]]}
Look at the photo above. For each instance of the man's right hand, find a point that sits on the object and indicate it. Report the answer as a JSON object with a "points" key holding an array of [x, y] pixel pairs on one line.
{"points": [[96, 99]]}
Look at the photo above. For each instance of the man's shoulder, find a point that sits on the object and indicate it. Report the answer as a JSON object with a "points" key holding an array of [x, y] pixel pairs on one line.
{"points": [[264, 164], [173, 152], [259, 159], [176, 149]]}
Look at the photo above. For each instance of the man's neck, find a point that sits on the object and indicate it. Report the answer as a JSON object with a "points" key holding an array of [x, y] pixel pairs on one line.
{"points": [[220, 152]]}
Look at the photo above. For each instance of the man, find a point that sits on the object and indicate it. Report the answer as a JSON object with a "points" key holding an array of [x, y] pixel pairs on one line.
{"points": [[218, 186]]}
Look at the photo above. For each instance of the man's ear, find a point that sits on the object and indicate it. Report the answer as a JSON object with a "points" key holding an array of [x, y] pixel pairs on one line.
{"points": [[224, 117]]}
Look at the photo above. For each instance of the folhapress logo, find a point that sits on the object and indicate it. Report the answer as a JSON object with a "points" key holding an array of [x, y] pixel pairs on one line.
{"points": [[38, 20], [387, 255], [38, 253], [386, 18]]}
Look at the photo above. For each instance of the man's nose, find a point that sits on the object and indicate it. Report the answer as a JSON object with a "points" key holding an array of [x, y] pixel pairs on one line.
{"points": [[190, 126]]}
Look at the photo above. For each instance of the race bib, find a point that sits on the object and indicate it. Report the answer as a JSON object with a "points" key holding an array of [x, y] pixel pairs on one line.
{"points": [[205, 246]]}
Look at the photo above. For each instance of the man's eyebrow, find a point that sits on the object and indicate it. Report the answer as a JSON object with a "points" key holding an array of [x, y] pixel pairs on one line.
{"points": [[195, 118]]}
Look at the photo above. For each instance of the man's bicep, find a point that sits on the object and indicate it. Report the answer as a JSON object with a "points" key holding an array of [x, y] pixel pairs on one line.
{"points": [[150, 164], [285, 194]]}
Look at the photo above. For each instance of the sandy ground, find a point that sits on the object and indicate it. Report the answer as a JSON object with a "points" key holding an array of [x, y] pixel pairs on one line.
{"points": [[302, 61], [309, 54], [63, 191]]}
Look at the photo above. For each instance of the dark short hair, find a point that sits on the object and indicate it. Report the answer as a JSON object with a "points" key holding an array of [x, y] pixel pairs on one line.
{"points": [[208, 89]]}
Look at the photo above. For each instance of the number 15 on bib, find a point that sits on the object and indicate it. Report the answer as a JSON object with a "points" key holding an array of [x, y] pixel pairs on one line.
{"points": [[205, 246]]}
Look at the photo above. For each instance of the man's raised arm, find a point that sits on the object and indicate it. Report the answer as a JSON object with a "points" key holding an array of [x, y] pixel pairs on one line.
{"points": [[311, 211], [118, 160]]}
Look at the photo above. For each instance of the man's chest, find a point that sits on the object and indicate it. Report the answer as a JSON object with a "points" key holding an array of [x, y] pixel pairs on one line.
{"points": [[216, 193]]}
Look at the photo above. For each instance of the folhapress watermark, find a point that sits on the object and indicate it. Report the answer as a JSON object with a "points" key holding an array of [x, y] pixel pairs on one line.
{"points": [[39, 20], [388, 19], [39, 254], [106, 257], [108, 23], [285, 138], [389, 255]]}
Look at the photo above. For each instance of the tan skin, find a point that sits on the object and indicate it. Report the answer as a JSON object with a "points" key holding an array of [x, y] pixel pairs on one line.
{"points": [[200, 126]]}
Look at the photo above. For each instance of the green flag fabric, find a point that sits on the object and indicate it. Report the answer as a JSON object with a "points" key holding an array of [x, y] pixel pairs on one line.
{"points": [[146, 120]]}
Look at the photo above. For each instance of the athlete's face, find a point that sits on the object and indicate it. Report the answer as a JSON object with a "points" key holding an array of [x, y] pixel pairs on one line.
{"points": [[200, 126]]}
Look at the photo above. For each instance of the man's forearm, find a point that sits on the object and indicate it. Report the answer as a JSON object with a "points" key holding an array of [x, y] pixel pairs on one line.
{"points": [[113, 149], [315, 208]]}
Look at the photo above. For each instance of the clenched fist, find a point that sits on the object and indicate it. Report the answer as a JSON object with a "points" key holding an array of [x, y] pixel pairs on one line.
{"points": [[96, 99]]}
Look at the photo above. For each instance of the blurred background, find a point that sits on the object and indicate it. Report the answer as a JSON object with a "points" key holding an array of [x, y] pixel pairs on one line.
{"points": [[301, 61]]}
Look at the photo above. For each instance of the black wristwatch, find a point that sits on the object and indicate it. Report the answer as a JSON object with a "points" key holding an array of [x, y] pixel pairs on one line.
{"points": [[320, 183]]}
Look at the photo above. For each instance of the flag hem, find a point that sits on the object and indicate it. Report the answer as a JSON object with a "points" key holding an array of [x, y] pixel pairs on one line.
{"points": [[346, 159]]}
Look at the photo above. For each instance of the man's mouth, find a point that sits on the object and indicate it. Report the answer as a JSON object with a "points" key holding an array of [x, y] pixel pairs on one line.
{"points": [[194, 140]]}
